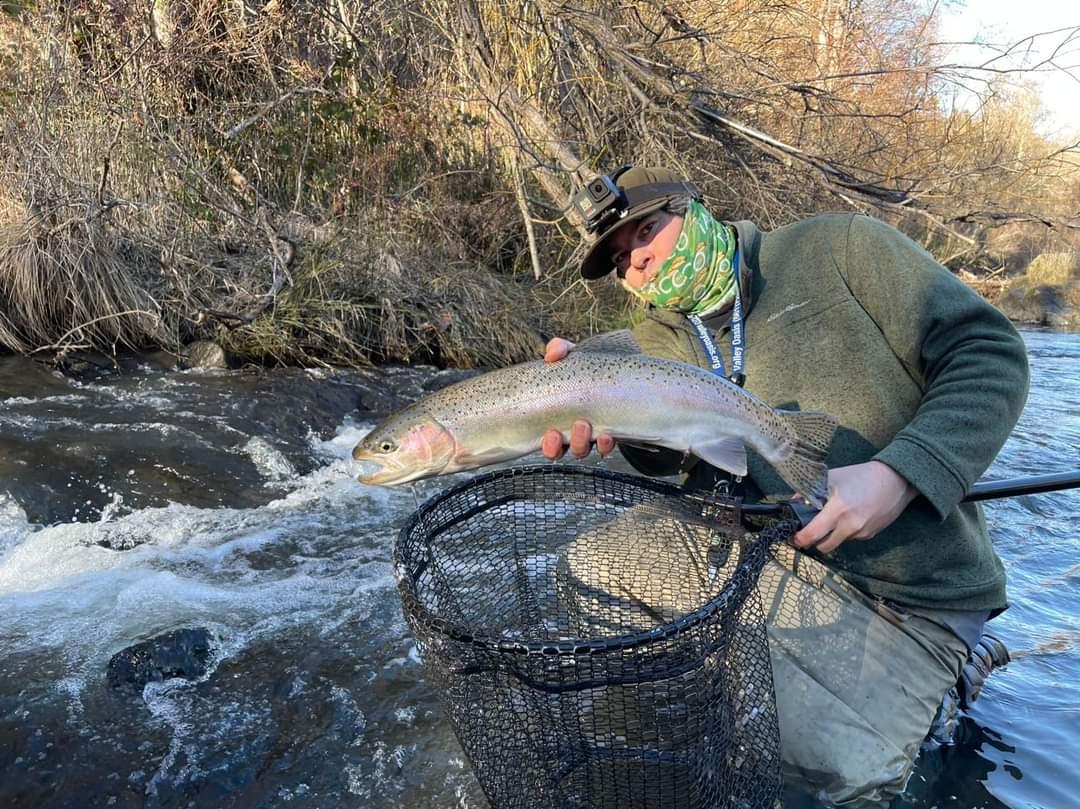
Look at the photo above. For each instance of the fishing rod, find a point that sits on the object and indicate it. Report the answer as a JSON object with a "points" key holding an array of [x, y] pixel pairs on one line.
{"points": [[1014, 487], [982, 490]]}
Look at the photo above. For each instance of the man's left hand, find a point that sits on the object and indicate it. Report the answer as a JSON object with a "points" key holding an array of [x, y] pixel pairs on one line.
{"points": [[864, 499]]}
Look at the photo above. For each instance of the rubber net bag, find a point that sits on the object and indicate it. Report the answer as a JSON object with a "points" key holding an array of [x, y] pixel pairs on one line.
{"points": [[597, 639]]}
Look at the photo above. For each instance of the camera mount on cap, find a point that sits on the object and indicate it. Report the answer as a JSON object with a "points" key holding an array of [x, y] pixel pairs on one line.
{"points": [[603, 201]]}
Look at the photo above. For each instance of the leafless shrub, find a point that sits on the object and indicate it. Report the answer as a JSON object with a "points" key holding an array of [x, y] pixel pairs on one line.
{"points": [[354, 181], [782, 109]]}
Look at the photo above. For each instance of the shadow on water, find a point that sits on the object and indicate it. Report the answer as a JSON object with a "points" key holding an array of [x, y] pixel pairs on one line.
{"points": [[956, 775]]}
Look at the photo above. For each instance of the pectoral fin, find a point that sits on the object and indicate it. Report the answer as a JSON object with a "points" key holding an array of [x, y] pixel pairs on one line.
{"points": [[728, 454]]}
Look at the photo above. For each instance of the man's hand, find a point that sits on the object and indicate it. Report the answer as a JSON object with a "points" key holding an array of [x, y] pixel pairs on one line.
{"points": [[581, 437], [863, 500], [557, 349]]}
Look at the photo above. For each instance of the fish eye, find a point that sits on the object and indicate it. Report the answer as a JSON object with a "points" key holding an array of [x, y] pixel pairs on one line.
{"points": [[386, 446]]}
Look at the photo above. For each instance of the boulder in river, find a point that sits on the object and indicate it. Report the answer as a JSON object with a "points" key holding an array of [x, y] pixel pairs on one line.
{"points": [[183, 653]]}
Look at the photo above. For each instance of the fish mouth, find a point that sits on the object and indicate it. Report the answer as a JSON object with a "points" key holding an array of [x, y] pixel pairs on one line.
{"points": [[378, 473]]}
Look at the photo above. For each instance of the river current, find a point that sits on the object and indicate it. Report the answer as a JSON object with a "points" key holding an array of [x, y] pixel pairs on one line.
{"points": [[140, 503]]}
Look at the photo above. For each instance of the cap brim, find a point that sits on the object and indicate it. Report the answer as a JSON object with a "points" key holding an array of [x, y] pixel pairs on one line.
{"points": [[597, 261]]}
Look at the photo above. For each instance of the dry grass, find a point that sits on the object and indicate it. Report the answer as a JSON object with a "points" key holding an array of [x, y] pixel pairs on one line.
{"points": [[66, 282], [1053, 269], [357, 303], [187, 153]]}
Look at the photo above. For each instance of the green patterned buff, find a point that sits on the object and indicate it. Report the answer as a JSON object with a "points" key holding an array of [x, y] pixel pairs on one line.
{"points": [[696, 279]]}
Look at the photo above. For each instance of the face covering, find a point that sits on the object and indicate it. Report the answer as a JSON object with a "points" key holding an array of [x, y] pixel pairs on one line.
{"points": [[697, 278]]}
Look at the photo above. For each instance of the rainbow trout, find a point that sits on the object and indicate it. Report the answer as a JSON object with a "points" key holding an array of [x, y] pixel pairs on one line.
{"points": [[501, 415]]}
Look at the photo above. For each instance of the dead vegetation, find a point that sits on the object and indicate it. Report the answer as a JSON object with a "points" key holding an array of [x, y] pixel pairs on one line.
{"points": [[62, 270], [349, 182], [1046, 294]]}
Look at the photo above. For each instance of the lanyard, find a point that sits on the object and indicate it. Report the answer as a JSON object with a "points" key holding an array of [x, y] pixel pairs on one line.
{"points": [[738, 338]]}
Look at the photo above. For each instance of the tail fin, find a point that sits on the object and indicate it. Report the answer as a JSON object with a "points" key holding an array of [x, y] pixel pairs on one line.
{"points": [[804, 469]]}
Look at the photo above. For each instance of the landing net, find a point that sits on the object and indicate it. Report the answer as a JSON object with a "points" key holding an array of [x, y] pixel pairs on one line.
{"points": [[596, 639]]}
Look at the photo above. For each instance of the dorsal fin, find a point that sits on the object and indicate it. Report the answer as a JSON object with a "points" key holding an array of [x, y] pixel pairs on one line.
{"points": [[612, 342]]}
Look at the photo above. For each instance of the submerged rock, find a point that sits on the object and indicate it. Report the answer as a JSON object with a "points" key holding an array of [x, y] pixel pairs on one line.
{"points": [[86, 365], [183, 653]]}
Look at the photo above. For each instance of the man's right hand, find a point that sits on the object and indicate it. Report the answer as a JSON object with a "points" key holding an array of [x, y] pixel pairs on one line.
{"points": [[581, 437]]}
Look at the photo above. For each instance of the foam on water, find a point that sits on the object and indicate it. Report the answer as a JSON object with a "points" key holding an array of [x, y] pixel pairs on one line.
{"points": [[347, 436], [63, 398], [310, 662], [272, 464], [64, 586], [14, 526]]}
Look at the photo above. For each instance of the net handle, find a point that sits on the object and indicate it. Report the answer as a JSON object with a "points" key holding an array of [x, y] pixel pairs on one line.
{"points": [[981, 490]]}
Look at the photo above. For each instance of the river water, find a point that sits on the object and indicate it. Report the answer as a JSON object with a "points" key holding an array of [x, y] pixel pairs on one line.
{"points": [[140, 503]]}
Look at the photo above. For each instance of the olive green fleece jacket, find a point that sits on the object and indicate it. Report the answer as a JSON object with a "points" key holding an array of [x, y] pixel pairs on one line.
{"points": [[848, 316]]}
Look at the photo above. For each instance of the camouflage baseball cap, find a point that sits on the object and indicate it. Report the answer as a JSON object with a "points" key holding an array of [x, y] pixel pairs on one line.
{"points": [[647, 189]]}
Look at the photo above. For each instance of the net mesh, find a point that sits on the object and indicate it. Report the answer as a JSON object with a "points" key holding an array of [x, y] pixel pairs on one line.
{"points": [[596, 639]]}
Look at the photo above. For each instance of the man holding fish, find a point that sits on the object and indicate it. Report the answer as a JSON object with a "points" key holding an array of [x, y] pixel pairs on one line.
{"points": [[874, 610], [832, 360]]}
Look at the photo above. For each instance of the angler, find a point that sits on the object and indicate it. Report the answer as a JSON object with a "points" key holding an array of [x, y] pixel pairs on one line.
{"points": [[843, 314]]}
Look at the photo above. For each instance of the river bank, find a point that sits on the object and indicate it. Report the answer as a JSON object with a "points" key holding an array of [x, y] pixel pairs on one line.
{"points": [[1046, 294], [464, 318], [362, 184]]}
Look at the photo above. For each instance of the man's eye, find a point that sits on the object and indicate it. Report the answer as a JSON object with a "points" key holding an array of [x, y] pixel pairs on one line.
{"points": [[646, 229]]}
